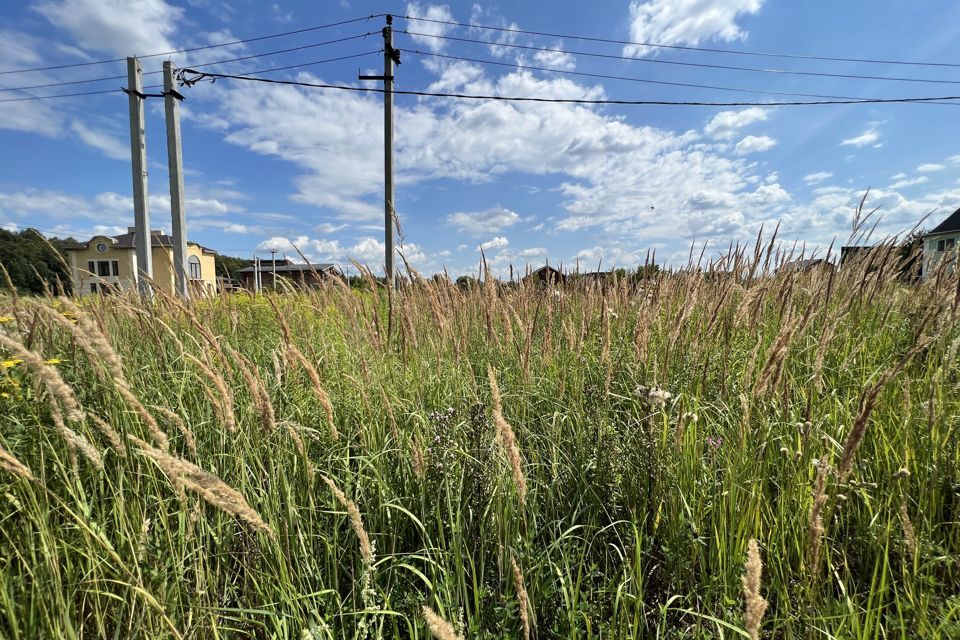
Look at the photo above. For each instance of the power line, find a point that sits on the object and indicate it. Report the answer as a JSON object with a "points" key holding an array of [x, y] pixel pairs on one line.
{"points": [[279, 51], [655, 45], [199, 76], [155, 86], [703, 65], [201, 64], [203, 48], [627, 78], [71, 95], [307, 64]]}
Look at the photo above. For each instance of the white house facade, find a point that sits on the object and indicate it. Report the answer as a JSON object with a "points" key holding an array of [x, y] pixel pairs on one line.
{"points": [[940, 245]]}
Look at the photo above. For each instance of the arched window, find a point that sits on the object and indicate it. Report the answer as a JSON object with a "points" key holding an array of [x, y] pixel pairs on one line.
{"points": [[193, 267]]}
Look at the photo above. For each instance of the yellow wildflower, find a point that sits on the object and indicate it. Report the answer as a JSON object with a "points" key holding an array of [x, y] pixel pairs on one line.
{"points": [[6, 319], [10, 364], [53, 361]]}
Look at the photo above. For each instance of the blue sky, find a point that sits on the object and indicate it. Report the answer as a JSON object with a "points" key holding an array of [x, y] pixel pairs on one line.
{"points": [[270, 166]]}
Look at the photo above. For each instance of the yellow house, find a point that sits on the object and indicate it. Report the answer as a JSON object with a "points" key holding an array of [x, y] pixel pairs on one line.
{"points": [[106, 263]]}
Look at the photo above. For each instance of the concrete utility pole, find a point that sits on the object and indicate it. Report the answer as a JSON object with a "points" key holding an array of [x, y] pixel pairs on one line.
{"points": [[138, 157], [171, 99], [273, 254], [391, 56]]}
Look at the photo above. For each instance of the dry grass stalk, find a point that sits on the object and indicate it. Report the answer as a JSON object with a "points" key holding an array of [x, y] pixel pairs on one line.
{"points": [[356, 522], [522, 598], [301, 446], [439, 628], [223, 400], [257, 390], [296, 355], [756, 605], [10, 464], [94, 336], [867, 402], [213, 490], [182, 427], [389, 407], [111, 434], [75, 442], [508, 439], [48, 375], [816, 516], [158, 435], [277, 367], [909, 536], [95, 343], [416, 455]]}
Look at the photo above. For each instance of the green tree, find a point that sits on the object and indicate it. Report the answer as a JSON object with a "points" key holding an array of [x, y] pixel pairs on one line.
{"points": [[228, 266], [35, 263]]}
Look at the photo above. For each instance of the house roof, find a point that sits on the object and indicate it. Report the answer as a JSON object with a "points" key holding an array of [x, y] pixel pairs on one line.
{"points": [[126, 241], [950, 225], [805, 263], [265, 266]]}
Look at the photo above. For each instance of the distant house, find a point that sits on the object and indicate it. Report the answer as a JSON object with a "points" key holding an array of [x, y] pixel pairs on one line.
{"points": [[595, 277], [904, 259], [297, 274], [545, 275], [860, 254], [109, 263], [940, 245], [806, 265]]}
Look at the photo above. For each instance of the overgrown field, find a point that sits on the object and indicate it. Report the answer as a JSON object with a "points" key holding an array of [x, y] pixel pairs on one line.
{"points": [[523, 462]]}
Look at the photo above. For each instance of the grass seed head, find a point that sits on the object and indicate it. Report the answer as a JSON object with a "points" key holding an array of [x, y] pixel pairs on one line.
{"points": [[756, 605], [356, 522], [10, 464], [212, 489], [439, 628]]}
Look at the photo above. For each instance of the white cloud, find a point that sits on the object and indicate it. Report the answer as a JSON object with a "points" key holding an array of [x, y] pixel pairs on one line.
{"points": [[482, 222], [818, 177], [122, 27], [100, 140], [869, 136], [724, 125], [365, 250], [555, 59], [532, 252], [495, 243], [899, 184], [687, 22], [754, 144], [35, 116], [930, 167], [327, 228], [431, 12], [611, 176]]}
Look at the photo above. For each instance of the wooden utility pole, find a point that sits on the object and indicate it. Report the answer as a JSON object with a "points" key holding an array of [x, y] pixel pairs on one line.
{"points": [[391, 56], [171, 99], [138, 157]]}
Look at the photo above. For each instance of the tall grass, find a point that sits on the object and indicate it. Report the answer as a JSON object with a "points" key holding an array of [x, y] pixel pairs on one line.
{"points": [[509, 461]]}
